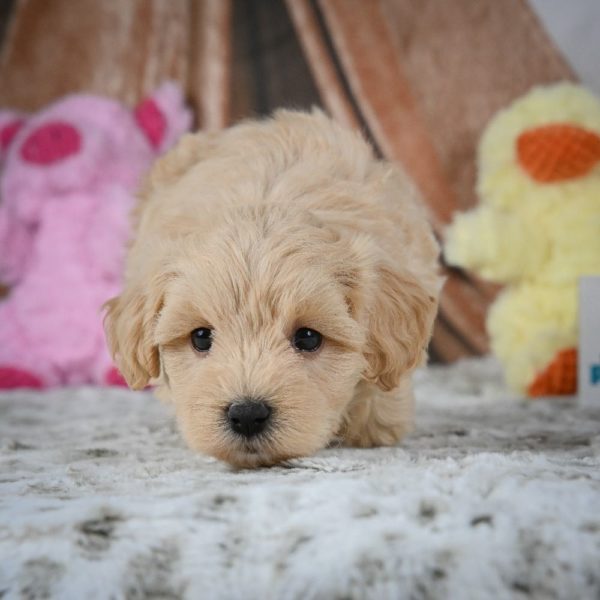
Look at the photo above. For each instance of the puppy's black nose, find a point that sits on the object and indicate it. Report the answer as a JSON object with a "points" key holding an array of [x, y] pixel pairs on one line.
{"points": [[248, 417]]}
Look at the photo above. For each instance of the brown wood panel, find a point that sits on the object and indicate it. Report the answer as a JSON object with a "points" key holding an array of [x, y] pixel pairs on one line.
{"points": [[270, 68], [209, 86], [375, 74], [464, 60], [321, 63], [446, 346], [121, 48]]}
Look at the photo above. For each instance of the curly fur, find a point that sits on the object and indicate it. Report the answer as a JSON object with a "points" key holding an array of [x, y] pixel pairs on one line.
{"points": [[256, 231]]}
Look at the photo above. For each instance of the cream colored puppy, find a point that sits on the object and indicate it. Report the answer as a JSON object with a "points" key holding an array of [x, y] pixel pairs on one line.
{"points": [[281, 287]]}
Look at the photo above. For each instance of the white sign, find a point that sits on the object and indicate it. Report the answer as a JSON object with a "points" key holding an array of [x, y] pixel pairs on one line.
{"points": [[589, 340]]}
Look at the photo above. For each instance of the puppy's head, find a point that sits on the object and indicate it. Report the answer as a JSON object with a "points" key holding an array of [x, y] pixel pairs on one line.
{"points": [[262, 343], [260, 328]]}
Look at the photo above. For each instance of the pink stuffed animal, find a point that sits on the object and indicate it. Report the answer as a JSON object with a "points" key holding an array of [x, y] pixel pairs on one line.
{"points": [[66, 191]]}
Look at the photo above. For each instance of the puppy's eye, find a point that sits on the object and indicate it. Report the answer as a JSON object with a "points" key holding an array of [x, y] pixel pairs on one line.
{"points": [[307, 340], [202, 339]]}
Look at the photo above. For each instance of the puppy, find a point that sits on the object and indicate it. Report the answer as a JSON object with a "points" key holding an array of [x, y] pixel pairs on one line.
{"points": [[280, 290]]}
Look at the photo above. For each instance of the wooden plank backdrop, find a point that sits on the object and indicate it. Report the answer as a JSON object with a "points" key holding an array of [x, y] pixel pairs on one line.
{"points": [[421, 79], [121, 48]]}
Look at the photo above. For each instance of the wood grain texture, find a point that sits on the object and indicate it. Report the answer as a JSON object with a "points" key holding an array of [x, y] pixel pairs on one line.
{"points": [[321, 63], [375, 74], [118, 48], [464, 60], [210, 62], [281, 75], [446, 345]]}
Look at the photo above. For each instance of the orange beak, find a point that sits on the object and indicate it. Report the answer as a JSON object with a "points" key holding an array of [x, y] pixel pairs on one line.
{"points": [[558, 152]]}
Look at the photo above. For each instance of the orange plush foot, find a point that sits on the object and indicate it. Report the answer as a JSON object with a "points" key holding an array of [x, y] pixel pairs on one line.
{"points": [[558, 378]]}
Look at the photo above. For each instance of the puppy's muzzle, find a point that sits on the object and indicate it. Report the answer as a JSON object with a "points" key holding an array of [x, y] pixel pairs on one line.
{"points": [[249, 416]]}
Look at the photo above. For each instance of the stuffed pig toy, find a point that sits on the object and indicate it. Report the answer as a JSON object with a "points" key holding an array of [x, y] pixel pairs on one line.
{"points": [[69, 175]]}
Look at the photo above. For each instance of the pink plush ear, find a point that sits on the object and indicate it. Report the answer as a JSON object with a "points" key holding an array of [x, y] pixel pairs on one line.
{"points": [[163, 116], [10, 123], [151, 121]]}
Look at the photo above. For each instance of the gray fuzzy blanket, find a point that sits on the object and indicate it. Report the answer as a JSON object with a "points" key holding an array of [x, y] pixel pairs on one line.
{"points": [[491, 497]]}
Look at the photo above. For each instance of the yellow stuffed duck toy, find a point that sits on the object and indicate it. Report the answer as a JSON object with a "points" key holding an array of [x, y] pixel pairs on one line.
{"points": [[537, 230]]}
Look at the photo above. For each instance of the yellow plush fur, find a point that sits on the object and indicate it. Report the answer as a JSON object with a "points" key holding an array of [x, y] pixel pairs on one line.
{"points": [[254, 232], [538, 238]]}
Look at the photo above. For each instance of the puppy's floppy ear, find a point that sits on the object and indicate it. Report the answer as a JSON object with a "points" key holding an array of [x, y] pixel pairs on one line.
{"points": [[399, 325], [395, 306], [131, 318], [130, 323]]}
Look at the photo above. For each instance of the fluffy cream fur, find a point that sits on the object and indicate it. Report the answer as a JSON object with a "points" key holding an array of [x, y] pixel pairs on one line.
{"points": [[254, 232]]}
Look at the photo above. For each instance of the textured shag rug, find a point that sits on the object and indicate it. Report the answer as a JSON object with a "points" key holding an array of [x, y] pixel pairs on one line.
{"points": [[491, 497]]}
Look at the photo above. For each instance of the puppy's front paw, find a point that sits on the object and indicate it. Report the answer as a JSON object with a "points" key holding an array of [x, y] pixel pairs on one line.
{"points": [[376, 418]]}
